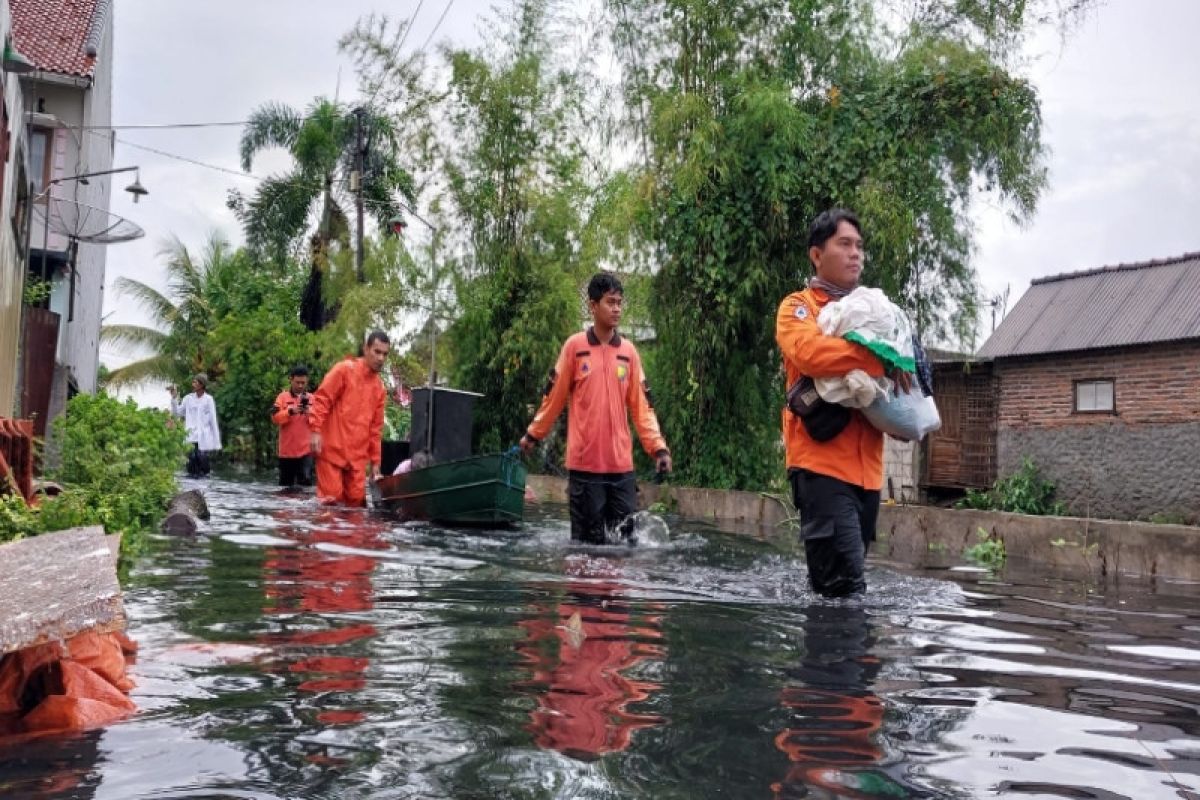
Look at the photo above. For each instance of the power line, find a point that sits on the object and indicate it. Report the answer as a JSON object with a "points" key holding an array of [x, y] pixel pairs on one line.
{"points": [[438, 25], [226, 170], [150, 126], [185, 159]]}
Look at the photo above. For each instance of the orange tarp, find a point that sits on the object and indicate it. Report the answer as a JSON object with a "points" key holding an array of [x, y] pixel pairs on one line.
{"points": [[72, 685]]}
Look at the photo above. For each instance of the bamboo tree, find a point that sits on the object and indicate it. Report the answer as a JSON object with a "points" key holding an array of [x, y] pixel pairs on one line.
{"points": [[755, 115]]}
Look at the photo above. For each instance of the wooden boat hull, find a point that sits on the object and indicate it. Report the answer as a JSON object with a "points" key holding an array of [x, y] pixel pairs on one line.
{"points": [[480, 490]]}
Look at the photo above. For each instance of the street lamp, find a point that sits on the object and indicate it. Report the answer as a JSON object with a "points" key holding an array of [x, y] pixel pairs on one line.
{"points": [[136, 189]]}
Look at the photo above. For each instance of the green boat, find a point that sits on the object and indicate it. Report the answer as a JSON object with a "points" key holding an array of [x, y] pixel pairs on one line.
{"points": [[479, 490]]}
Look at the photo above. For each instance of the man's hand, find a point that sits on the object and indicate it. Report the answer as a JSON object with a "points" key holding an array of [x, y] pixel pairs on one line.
{"points": [[371, 471], [528, 443], [314, 441], [902, 379], [663, 464]]}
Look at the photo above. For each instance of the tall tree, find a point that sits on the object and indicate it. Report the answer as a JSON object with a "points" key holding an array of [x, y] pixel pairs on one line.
{"points": [[174, 346], [324, 145], [520, 189], [753, 116]]}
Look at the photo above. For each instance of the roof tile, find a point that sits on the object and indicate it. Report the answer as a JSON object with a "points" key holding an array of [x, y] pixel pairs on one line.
{"points": [[53, 34]]}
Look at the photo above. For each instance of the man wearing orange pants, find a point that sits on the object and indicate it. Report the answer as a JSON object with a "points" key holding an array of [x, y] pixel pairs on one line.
{"points": [[346, 419]]}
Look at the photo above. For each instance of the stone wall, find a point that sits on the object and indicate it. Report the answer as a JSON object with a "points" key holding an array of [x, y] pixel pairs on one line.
{"points": [[1139, 460], [1114, 471], [929, 536]]}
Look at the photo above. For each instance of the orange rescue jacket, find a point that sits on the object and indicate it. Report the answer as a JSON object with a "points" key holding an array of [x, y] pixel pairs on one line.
{"points": [[856, 454], [604, 383], [347, 410], [293, 428]]}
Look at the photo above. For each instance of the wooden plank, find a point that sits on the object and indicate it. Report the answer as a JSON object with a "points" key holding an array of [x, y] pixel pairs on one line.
{"points": [[58, 584]]}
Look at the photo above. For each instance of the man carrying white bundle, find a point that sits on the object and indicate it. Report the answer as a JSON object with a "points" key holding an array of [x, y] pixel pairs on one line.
{"points": [[834, 456]]}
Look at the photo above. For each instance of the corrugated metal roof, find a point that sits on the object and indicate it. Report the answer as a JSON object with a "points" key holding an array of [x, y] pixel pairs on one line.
{"points": [[1127, 304], [54, 34]]}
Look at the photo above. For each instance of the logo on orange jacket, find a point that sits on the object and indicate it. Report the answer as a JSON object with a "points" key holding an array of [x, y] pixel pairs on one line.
{"points": [[622, 372]]}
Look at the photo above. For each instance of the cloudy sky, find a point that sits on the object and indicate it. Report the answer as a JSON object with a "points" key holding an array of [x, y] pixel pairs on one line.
{"points": [[1120, 99]]}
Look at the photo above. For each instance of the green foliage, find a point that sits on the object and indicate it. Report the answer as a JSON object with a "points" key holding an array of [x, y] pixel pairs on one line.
{"points": [[1172, 518], [519, 185], [36, 292], [397, 422], [988, 551], [1023, 492], [175, 345], [322, 143], [754, 116], [118, 468]]}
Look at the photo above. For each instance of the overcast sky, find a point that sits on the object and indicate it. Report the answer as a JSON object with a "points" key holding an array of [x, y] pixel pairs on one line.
{"points": [[1121, 104]]}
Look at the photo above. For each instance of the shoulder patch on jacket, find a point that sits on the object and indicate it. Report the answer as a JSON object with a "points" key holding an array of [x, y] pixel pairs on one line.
{"points": [[801, 311]]}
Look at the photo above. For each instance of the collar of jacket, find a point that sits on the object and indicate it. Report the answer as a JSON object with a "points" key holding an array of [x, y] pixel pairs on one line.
{"points": [[594, 340]]}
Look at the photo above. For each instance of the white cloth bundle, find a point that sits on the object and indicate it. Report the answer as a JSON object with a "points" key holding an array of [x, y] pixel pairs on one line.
{"points": [[868, 317]]}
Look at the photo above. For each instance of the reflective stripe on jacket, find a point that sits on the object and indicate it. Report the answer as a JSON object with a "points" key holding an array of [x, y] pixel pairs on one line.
{"points": [[347, 410], [856, 454], [294, 441], [605, 385]]}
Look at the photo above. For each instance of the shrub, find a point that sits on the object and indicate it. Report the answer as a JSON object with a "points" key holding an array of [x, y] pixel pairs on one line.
{"points": [[1023, 492], [117, 468]]}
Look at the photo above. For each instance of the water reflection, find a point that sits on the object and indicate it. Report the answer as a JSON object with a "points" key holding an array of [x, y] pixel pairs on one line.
{"points": [[835, 717], [582, 650], [359, 658], [304, 585]]}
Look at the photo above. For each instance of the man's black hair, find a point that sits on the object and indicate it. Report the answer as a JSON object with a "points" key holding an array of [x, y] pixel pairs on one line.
{"points": [[377, 336], [826, 224], [601, 284], [298, 371]]}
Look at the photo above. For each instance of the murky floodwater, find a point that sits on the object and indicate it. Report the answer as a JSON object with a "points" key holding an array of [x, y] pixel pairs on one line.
{"points": [[300, 653]]}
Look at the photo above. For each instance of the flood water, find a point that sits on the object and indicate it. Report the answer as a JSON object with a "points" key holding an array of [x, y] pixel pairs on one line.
{"points": [[296, 652]]}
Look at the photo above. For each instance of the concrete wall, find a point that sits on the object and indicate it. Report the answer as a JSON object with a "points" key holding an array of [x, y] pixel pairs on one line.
{"points": [[925, 535], [12, 268], [899, 470], [71, 107], [1130, 464]]}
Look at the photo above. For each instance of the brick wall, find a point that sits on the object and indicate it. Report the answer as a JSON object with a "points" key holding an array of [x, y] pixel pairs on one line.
{"points": [[1154, 384], [1131, 464]]}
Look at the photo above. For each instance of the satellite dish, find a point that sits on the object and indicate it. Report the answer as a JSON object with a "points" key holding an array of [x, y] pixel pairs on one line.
{"points": [[85, 223]]}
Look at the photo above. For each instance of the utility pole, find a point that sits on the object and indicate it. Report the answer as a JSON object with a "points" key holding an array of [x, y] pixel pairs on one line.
{"points": [[357, 186]]}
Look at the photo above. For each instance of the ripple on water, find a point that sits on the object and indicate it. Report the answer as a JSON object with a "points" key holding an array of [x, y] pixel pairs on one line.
{"points": [[306, 652]]}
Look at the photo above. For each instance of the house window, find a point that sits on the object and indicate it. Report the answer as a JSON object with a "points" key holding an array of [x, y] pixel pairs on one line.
{"points": [[39, 159], [1095, 397]]}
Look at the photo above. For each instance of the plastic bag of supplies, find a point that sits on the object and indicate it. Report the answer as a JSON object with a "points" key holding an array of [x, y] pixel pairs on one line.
{"points": [[867, 317], [905, 415]]}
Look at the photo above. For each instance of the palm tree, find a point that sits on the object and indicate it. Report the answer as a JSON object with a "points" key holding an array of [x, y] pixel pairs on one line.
{"points": [[323, 146], [181, 319]]}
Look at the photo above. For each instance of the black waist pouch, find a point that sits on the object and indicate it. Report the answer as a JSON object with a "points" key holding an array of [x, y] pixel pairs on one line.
{"points": [[822, 420]]}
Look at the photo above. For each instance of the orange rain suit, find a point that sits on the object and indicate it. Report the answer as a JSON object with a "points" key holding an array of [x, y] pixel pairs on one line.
{"points": [[294, 440], [604, 383], [856, 454], [347, 410]]}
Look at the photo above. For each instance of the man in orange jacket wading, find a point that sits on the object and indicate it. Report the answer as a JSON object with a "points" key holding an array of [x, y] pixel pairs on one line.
{"points": [[346, 419], [835, 466], [601, 373]]}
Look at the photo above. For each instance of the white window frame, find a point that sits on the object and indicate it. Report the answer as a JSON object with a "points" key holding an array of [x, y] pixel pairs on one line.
{"points": [[1095, 396]]}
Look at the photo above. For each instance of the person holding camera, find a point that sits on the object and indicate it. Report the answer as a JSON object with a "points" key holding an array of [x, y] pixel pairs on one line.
{"points": [[834, 456], [290, 413]]}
